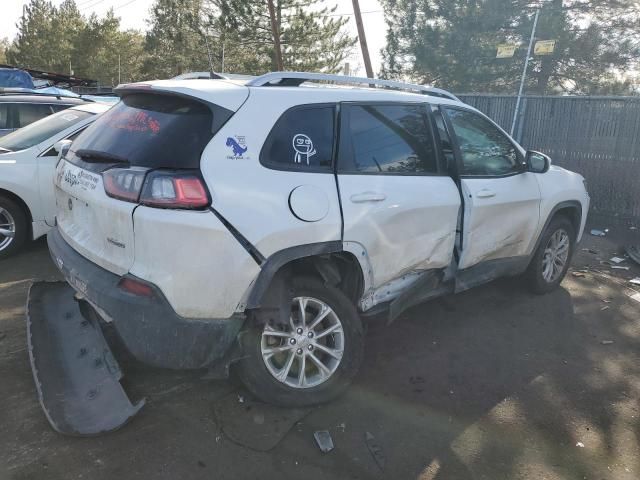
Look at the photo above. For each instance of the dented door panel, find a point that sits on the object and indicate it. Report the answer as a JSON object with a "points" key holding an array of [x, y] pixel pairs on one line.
{"points": [[501, 216]]}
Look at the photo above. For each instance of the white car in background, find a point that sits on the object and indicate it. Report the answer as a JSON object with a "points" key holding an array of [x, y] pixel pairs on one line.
{"points": [[28, 159]]}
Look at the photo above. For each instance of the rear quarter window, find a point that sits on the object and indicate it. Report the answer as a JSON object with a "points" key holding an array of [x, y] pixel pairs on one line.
{"points": [[150, 130], [302, 139]]}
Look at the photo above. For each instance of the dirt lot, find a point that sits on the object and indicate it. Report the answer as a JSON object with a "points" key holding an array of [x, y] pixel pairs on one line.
{"points": [[494, 383]]}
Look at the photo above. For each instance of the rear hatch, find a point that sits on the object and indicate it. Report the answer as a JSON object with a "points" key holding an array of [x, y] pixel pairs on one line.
{"points": [[152, 140]]}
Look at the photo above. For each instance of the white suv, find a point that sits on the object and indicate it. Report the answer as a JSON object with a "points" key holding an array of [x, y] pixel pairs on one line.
{"points": [[255, 223]]}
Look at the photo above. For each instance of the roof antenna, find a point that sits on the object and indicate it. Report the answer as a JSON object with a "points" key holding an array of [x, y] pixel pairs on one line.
{"points": [[212, 74]]}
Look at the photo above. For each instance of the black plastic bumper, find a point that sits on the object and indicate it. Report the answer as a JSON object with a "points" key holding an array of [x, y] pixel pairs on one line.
{"points": [[77, 378], [149, 327]]}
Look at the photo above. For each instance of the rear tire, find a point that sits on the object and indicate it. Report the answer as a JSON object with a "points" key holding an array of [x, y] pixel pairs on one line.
{"points": [[552, 258], [301, 346], [14, 227]]}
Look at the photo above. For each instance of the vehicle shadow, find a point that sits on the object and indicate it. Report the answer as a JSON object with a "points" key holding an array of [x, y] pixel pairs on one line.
{"points": [[498, 383]]}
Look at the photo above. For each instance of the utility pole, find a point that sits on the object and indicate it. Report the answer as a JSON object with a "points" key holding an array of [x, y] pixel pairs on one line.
{"points": [[362, 38], [206, 41], [524, 72], [119, 71], [276, 36]]}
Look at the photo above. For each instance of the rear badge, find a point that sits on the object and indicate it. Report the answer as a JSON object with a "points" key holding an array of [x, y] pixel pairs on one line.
{"points": [[238, 146]]}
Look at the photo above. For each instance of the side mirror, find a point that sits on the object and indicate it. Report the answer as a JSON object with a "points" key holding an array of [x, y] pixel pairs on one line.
{"points": [[537, 162], [62, 147]]}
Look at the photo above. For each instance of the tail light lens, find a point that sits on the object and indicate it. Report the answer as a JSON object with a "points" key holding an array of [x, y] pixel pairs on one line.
{"points": [[158, 188], [174, 190], [124, 183]]}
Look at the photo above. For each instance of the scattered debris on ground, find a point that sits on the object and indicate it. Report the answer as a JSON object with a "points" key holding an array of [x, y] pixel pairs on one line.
{"points": [[324, 440], [599, 233], [607, 342], [635, 281], [376, 450], [634, 252]]}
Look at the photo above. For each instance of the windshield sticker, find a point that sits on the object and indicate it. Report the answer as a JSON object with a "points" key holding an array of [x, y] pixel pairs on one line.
{"points": [[69, 117], [303, 146], [238, 146]]}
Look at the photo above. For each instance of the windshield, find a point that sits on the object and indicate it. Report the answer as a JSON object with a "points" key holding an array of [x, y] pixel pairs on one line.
{"points": [[27, 137]]}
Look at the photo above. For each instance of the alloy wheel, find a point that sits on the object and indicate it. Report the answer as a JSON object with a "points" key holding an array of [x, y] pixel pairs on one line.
{"points": [[556, 255], [7, 228], [306, 352]]}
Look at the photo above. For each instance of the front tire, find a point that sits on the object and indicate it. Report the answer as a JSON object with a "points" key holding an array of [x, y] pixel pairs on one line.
{"points": [[552, 258], [311, 360], [14, 227]]}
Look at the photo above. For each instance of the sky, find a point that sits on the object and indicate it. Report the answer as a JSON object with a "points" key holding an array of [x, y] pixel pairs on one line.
{"points": [[133, 14]]}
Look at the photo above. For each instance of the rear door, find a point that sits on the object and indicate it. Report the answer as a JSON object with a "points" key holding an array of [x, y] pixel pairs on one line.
{"points": [[501, 199], [397, 200], [99, 182]]}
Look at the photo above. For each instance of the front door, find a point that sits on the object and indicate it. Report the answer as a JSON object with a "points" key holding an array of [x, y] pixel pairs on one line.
{"points": [[501, 199], [397, 200]]}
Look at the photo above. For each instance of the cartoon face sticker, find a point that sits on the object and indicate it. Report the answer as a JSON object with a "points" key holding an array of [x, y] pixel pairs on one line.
{"points": [[303, 147]]}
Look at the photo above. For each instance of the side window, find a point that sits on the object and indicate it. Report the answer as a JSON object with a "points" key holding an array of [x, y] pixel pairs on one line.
{"points": [[301, 139], [4, 116], [485, 150], [387, 139], [445, 139], [30, 112]]}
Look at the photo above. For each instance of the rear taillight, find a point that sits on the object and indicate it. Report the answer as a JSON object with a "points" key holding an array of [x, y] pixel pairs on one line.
{"points": [[124, 183], [158, 188], [174, 190]]}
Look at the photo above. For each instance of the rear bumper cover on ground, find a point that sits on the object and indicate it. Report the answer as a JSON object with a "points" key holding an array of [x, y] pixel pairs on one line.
{"points": [[77, 378], [148, 326]]}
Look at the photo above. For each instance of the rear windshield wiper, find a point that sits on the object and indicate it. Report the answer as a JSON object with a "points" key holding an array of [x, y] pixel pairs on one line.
{"points": [[4, 150], [89, 155]]}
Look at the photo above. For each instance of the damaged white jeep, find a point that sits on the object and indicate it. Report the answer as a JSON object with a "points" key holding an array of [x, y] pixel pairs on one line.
{"points": [[255, 223]]}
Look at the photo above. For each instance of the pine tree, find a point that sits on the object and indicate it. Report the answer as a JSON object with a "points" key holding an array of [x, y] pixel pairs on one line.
{"points": [[313, 38], [453, 43]]}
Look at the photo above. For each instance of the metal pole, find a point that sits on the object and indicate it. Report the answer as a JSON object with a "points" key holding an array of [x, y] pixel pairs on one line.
{"points": [[119, 71], [206, 41], [222, 65], [524, 72], [276, 36], [362, 38]]}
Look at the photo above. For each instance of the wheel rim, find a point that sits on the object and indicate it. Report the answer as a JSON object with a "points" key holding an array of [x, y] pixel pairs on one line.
{"points": [[306, 352], [7, 229], [556, 255]]}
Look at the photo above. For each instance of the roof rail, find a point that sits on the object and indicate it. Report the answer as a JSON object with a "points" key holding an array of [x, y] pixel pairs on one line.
{"points": [[294, 79]]}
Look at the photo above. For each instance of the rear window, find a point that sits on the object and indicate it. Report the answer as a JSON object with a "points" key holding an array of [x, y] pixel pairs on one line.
{"points": [[42, 130], [149, 130]]}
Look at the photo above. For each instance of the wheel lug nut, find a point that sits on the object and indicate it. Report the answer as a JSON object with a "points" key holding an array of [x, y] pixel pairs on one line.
{"points": [[310, 334], [292, 341], [299, 331], [310, 347], [299, 351]]}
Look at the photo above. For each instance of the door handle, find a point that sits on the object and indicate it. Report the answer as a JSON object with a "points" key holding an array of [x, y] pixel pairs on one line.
{"points": [[485, 193], [368, 197]]}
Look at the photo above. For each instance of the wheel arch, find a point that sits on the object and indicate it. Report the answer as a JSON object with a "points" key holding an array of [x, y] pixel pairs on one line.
{"points": [[12, 196], [570, 209], [328, 261]]}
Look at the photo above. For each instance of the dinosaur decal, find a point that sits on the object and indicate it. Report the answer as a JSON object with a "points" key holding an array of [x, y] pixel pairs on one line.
{"points": [[238, 149]]}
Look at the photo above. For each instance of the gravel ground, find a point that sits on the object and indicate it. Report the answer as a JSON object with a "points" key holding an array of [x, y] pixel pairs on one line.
{"points": [[494, 383]]}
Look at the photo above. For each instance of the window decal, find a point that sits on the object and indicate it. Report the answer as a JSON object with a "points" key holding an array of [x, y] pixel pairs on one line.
{"points": [[303, 147]]}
